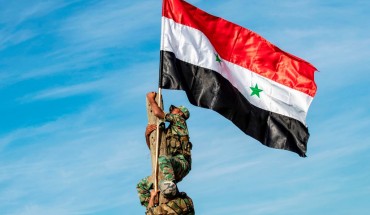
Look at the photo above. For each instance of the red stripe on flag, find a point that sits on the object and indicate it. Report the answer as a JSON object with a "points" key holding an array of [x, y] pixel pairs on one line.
{"points": [[243, 47]]}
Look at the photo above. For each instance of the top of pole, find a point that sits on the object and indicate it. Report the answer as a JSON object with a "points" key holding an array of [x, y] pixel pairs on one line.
{"points": [[160, 70], [161, 53]]}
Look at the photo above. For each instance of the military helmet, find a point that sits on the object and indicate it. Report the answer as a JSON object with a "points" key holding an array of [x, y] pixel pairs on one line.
{"points": [[183, 109]]}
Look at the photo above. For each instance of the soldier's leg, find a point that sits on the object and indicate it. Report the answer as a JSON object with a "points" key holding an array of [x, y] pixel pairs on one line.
{"points": [[174, 168], [143, 189], [181, 167], [165, 166]]}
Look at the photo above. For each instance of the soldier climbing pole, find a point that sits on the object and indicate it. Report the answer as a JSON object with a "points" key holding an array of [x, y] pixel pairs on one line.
{"points": [[170, 160]]}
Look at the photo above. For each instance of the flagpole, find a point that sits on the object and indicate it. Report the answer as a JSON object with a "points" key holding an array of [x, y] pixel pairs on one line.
{"points": [[157, 143], [159, 102]]}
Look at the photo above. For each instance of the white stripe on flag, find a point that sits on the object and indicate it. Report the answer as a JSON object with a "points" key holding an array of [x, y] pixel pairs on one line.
{"points": [[192, 46]]}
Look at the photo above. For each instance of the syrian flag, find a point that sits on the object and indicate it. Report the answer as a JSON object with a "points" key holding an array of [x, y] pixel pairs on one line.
{"points": [[263, 90]]}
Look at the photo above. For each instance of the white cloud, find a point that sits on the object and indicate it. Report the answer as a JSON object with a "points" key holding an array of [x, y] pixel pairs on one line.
{"points": [[69, 159], [67, 91], [111, 24], [15, 13]]}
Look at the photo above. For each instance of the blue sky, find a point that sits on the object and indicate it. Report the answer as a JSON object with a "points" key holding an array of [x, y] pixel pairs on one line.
{"points": [[73, 79]]}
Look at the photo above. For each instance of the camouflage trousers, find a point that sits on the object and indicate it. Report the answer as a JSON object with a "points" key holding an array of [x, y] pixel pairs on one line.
{"points": [[174, 168]]}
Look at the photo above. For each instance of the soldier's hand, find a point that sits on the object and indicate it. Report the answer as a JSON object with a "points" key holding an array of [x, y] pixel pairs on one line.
{"points": [[151, 95], [153, 201], [149, 129], [153, 193]]}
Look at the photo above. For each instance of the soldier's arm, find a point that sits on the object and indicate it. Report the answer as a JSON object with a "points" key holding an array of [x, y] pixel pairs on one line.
{"points": [[149, 129], [158, 112]]}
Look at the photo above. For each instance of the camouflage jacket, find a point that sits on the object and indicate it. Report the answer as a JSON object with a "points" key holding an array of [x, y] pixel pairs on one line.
{"points": [[177, 136]]}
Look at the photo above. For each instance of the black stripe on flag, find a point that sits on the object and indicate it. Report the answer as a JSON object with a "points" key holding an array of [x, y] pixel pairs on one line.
{"points": [[208, 89]]}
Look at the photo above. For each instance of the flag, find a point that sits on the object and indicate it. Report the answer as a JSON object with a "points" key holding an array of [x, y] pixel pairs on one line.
{"points": [[263, 90]]}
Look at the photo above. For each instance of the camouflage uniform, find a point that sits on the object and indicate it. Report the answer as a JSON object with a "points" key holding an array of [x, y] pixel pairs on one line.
{"points": [[143, 189], [180, 205], [177, 163]]}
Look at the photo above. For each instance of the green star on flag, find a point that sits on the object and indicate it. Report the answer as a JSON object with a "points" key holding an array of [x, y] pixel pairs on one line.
{"points": [[256, 91], [218, 59]]}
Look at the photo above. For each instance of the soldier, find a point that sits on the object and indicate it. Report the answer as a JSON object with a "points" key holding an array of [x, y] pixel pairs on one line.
{"points": [[180, 204], [177, 163]]}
